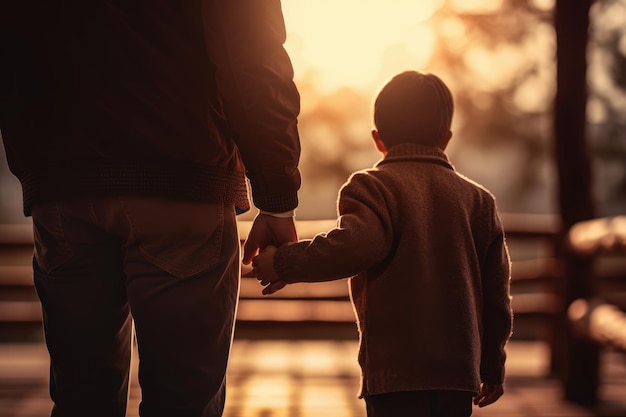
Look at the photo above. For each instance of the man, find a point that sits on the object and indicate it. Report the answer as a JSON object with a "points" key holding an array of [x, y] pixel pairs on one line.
{"points": [[132, 127]]}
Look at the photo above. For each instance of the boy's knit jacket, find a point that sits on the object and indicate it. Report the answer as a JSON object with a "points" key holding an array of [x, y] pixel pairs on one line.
{"points": [[430, 273]]}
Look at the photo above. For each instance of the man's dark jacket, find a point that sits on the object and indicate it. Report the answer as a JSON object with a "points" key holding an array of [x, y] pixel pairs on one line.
{"points": [[173, 98]]}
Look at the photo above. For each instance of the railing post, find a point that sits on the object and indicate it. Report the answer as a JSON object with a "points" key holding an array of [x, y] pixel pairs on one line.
{"points": [[579, 366]]}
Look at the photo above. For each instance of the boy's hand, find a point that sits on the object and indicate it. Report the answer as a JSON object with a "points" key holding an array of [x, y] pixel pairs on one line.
{"points": [[273, 287], [489, 394], [263, 267]]}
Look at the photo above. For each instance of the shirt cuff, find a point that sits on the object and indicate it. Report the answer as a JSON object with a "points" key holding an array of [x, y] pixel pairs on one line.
{"points": [[282, 215]]}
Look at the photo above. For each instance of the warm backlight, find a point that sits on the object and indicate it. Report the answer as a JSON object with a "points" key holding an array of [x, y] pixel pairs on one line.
{"points": [[357, 43]]}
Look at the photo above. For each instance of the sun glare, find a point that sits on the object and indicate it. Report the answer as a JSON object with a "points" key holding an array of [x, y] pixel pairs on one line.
{"points": [[357, 43], [476, 6]]}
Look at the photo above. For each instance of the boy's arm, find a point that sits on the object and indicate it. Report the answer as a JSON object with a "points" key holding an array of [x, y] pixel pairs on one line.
{"points": [[497, 313], [363, 237], [488, 394]]}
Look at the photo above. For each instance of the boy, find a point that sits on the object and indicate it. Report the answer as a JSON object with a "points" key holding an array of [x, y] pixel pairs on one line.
{"points": [[428, 262]]}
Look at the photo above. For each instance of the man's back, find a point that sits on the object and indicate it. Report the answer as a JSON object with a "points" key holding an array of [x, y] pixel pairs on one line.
{"points": [[150, 97], [98, 75]]}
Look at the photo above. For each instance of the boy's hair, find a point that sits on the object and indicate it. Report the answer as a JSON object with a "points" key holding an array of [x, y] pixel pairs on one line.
{"points": [[413, 107]]}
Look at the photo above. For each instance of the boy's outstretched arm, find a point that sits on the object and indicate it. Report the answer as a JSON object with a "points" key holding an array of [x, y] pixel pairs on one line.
{"points": [[263, 268], [489, 394]]}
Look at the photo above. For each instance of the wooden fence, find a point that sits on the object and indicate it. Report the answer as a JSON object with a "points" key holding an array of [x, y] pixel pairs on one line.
{"points": [[300, 310]]}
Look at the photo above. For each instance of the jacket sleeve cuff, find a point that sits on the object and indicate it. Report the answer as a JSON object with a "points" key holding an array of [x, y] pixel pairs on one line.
{"points": [[276, 203]]}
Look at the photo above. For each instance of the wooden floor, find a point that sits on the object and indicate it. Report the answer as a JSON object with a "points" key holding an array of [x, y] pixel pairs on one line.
{"points": [[277, 378]]}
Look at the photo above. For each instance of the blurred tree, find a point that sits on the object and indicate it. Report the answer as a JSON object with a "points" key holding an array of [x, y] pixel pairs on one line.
{"points": [[607, 103], [499, 61], [499, 58], [335, 131]]}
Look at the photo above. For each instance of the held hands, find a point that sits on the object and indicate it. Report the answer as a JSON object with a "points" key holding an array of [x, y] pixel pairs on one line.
{"points": [[489, 394], [268, 230], [263, 269]]}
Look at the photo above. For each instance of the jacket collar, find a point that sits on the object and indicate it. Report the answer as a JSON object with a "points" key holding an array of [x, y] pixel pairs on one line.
{"points": [[417, 153]]}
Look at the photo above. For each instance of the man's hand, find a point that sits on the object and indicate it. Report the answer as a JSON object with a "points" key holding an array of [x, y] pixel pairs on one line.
{"points": [[268, 230], [489, 394]]}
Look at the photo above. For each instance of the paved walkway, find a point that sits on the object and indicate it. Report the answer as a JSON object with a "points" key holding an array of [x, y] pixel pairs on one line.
{"points": [[320, 378]]}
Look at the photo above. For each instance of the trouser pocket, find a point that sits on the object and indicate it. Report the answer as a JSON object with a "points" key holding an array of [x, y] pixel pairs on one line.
{"points": [[182, 238]]}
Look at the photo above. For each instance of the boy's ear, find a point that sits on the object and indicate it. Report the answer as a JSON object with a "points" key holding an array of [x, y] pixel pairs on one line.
{"points": [[445, 141], [380, 145]]}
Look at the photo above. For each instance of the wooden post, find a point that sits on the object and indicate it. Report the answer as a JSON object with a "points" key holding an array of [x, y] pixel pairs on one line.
{"points": [[579, 358]]}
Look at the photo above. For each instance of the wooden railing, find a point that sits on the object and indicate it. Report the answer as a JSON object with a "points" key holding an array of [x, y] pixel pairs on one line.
{"points": [[304, 310], [20, 313], [318, 310]]}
